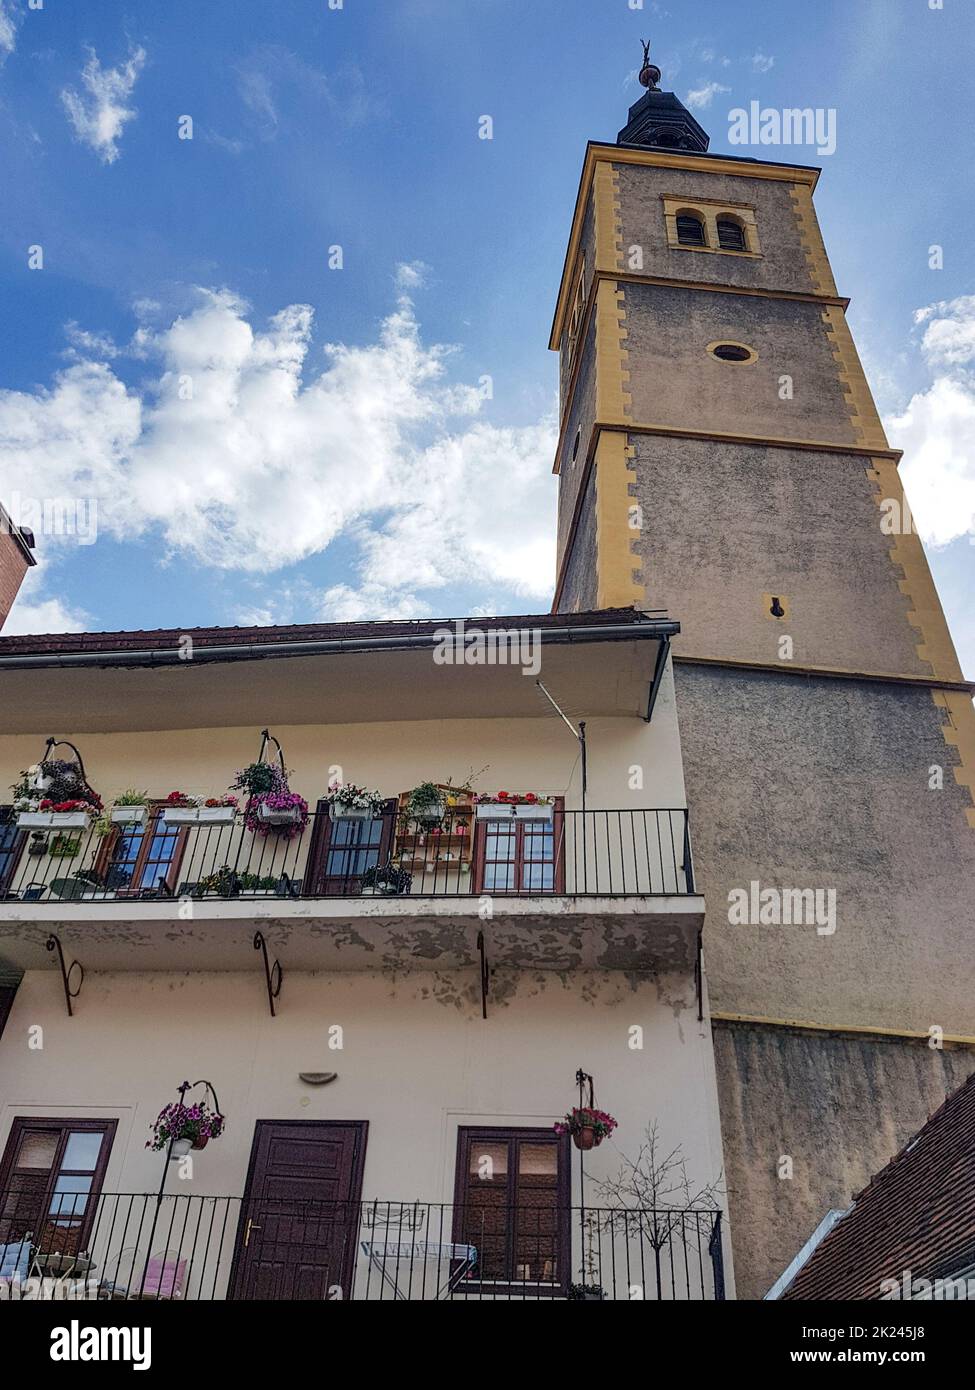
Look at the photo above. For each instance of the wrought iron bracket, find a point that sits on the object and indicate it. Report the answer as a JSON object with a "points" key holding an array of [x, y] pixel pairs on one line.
{"points": [[53, 943], [273, 974], [485, 973]]}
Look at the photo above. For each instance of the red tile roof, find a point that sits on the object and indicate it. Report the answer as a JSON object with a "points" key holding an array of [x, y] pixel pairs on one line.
{"points": [[164, 638], [916, 1214]]}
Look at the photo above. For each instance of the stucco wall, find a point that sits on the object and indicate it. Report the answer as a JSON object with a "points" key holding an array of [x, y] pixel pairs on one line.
{"points": [[839, 1107], [416, 1062], [725, 524], [675, 381], [783, 264], [824, 784], [519, 754], [581, 414], [579, 587]]}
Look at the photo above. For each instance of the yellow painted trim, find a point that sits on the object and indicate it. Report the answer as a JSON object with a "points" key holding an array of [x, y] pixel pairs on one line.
{"points": [[935, 646], [617, 566], [959, 733], [863, 412], [913, 1034], [613, 401], [615, 154], [609, 233], [812, 239]]}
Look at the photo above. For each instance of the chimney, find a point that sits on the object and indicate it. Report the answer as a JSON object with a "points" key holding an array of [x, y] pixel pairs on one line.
{"points": [[16, 558]]}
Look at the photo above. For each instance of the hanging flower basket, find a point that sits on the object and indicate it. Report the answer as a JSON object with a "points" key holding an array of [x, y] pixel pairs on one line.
{"points": [[588, 1127], [271, 806], [187, 1126], [54, 794]]}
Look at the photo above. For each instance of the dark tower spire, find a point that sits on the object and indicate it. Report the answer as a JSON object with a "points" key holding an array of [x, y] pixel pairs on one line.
{"points": [[658, 120]]}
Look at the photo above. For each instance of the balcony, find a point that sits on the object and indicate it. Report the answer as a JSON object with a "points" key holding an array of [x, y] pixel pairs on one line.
{"points": [[604, 889], [191, 1248]]}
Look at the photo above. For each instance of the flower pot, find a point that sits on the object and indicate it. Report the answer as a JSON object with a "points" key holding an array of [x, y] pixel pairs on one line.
{"points": [[52, 820], [430, 814], [201, 1142], [495, 810], [180, 1148], [338, 812], [585, 1138], [216, 815], [288, 815], [534, 811], [129, 815], [181, 815]]}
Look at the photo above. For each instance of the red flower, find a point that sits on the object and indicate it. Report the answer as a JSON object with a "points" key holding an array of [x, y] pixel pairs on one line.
{"points": [[503, 796]]}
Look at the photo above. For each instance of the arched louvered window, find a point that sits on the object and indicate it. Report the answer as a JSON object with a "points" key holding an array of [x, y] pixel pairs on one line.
{"points": [[690, 230], [731, 235]]}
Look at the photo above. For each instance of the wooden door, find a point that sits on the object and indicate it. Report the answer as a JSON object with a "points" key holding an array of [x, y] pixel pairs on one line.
{"points": [[299, 1219], [342, 850]]}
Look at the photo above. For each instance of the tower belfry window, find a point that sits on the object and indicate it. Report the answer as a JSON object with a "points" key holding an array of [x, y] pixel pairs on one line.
{"points": [[690, 230], [731, 235]]}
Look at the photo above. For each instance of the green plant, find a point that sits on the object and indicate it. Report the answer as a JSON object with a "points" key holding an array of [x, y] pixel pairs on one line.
{"points": [[64, 846], [425, 801], [389, 877], [91, 876], [250, 883], [257, 779], [225, 883], [132, 798]]}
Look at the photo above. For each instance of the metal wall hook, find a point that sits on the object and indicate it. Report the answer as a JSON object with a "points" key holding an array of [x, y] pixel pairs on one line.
{"points": [[266, 738], [53, 943], [485, 973], [64, 743], [273, 974]]}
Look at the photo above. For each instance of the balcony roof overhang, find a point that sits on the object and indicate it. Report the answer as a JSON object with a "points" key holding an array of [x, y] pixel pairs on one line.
{"points": [[605, 663], [641, 934]]}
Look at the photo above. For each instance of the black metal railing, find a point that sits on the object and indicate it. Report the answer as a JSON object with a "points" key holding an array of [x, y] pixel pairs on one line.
{"points": [[523, 854], [182, 1247]]}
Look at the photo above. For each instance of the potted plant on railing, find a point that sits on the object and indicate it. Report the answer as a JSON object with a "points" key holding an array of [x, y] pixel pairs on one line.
{"points": [[181, 809], [519, 805], [425, 804], [588, 1127], [349, 802], [130, 808], [188, 1126], [224, 883], [260, 885], [386, 880]]}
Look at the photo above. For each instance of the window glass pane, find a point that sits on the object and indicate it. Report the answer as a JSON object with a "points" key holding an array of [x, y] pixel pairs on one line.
{"points": [[354, 847], [70, 1196], [488, 1162], [538, 1161], [159, 860], [37, 1149], [82, 1151]]}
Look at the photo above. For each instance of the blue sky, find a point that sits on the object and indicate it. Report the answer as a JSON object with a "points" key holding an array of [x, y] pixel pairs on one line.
{"points": [[376, 440]]}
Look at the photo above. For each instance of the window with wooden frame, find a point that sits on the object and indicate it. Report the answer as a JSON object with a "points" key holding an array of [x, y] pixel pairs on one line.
{"points": [[511, 1203], [512, 855], [342, 850], [50, 1177], [142, 861], [12, 842]]}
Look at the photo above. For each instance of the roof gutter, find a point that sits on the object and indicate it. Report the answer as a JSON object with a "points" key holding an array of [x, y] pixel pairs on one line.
{"points": [[254, 651]]}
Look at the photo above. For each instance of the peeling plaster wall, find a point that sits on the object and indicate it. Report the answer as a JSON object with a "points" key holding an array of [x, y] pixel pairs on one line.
{"points": [[839, 1106], [417, 1061]]}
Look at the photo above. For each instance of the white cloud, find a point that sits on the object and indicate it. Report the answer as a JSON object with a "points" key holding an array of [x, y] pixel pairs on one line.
{"points": [[702, 97], [43, 615], [937, 427], [244, 457], [8, 30], [761, 62], [99, 116]]}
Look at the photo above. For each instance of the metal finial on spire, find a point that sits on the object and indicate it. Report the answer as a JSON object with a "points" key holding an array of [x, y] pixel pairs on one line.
{"points": [[649, 73]]}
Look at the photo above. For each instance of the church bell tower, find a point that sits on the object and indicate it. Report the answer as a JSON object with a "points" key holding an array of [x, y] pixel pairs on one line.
{"points": [[721, 457]]}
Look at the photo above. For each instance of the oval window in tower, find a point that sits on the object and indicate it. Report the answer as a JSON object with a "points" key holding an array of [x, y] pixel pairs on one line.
{"points": [[733, 352]]}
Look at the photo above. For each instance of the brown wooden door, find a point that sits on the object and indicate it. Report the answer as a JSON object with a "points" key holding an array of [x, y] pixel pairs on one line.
{"points": [[299, 1219], [342, 850]]}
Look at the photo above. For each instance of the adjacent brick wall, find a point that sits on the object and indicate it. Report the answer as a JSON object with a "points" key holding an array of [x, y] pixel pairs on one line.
{"points": [[15, 561]]}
